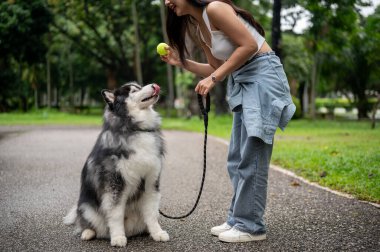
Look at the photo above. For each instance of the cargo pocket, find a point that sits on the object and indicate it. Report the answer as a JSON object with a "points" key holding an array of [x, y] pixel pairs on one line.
{"points": [[279, 70], [269, 131], [277, 108]]}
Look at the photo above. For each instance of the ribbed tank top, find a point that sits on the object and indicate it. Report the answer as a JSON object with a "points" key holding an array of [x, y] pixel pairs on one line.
{"points": [[221, 46]]}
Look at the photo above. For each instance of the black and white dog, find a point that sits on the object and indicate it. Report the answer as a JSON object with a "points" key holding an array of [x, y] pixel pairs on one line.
{"points": [[119, 195]]}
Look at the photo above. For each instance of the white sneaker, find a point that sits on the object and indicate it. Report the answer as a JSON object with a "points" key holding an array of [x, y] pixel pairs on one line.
{"points": [[220, 229], [234, 235]]}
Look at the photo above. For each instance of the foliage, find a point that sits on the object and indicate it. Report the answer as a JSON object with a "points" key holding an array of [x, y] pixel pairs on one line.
{"points": [[104, 31], [371, 47], [91, 45], [22, 27], [297, 61], [259, 10], [335, 40], [185, 79], [298, 113]]}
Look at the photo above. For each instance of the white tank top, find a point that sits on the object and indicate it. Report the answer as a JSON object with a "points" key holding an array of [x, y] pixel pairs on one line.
{"points": [[221, 46]]}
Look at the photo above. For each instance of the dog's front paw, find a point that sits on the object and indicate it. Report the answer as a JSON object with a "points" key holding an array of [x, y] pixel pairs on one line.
{"points": [[119, 241], [161, 236], [87, 234]]}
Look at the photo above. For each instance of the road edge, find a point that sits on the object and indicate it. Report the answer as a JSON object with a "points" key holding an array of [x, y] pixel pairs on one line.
{"points": [[293, 175]]}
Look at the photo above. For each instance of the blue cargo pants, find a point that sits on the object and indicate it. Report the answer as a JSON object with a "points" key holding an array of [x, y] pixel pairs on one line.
{"points": [[248, 165]]}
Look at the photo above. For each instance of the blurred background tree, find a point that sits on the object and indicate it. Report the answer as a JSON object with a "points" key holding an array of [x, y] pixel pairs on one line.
{"points": [[22, 27], [62, 53]]}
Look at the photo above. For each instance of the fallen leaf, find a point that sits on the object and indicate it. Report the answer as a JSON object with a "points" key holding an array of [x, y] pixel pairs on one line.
{"points": [[323, 174], [294, 183]]}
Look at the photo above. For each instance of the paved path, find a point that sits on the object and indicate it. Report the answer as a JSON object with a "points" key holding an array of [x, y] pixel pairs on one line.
{"points": [[39, 182]]}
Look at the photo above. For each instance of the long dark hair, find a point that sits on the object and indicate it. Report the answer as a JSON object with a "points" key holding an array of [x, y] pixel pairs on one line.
{"points": [[178, 26]]}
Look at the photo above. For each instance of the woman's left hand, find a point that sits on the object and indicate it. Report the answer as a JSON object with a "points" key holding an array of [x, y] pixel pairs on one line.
{"points": [[204, 86]]}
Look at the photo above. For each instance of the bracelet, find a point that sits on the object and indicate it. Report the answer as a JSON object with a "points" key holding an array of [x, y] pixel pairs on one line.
{"points": [[213, 78]]}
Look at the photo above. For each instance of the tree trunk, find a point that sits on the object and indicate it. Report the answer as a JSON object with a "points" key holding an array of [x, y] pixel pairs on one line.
{"points": [[111, 79], [48, 81], [35, 96], [221, 106], [374, 112], [301, 96], [137, 44], [314, 81], [359, 86], [276, 28], [362, 106], [24, 103], [169, 69], [71, 80]]}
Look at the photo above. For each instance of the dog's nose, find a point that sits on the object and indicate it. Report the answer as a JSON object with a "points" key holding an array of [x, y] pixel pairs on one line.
{"points": [[156, 88]]}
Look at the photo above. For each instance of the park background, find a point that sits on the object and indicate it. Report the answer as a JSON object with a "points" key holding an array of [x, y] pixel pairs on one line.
{"points": [[56, 56]]}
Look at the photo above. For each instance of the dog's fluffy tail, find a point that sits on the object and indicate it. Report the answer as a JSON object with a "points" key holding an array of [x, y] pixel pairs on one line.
{"points": [[71, 217]]}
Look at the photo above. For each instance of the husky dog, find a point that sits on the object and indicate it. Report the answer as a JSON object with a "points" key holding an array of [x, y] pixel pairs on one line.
{"points": [[119, 195]]}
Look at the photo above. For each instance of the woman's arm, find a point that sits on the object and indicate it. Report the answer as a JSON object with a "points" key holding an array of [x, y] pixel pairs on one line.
{"points": [[224, 18], [200, 69]]}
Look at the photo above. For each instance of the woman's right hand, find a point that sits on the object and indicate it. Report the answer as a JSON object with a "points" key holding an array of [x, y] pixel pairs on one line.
{"points": [[172, 57]]}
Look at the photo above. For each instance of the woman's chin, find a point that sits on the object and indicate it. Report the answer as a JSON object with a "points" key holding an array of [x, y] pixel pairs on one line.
{"points": [[178, 12]]}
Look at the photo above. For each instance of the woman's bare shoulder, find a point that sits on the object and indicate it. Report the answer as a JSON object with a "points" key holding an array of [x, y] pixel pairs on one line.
{"points": [[218, 8]]}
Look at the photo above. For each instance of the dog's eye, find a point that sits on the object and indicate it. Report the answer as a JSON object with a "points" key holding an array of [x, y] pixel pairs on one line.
{"points": [[134, 90]]}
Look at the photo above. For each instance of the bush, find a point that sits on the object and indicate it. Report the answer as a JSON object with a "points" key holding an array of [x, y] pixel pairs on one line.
{"points": [[298, 113], [331, 103]]}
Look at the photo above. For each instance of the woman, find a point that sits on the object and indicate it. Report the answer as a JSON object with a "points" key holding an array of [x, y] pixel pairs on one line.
{"points": [[258, 94]]}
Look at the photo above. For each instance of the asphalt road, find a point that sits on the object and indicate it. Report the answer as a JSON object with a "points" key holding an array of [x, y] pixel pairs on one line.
{"points": [[39, 182]]}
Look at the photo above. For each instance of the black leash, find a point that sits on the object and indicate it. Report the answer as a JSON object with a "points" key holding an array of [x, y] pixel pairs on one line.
{"points": [[204, 111]]}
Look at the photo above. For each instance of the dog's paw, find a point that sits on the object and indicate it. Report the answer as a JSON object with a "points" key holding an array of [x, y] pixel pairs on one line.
{"points": [[119, 241], [87, 234], [161, 236]]}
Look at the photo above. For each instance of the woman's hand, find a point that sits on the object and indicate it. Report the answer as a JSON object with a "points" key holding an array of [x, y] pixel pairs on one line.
{"points": [[172, 57], [204, 86]]}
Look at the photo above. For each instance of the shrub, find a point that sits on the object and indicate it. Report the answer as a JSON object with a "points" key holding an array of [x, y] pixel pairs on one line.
{"points": [[298, 113]]}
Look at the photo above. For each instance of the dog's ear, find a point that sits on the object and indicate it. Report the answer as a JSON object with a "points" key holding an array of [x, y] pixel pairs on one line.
{"points": [[108, 97]]}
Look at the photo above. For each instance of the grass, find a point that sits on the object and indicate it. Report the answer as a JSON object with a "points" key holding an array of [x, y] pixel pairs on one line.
{"points": [[342, 155], [50, 117]]}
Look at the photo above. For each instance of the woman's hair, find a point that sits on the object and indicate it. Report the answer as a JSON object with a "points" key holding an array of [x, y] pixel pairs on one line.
{"points": [[178, 26]]}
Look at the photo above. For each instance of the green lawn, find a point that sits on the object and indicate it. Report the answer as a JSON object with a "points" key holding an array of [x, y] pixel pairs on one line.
{"points": [[342, 155], [50, 117]]}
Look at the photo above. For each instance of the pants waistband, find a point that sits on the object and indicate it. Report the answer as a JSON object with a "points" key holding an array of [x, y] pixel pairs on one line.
{"points": [[257, 56], [263, 54]]}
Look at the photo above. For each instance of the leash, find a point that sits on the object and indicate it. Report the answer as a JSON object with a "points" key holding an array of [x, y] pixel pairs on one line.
{"points": [[204, 111]]}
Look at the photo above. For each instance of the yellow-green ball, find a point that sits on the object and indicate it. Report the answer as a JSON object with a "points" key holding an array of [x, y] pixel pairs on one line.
{"points": [[161, 49]]}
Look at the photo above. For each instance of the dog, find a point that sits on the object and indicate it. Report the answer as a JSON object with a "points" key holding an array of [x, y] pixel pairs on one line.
{"points": [[119, 194]]}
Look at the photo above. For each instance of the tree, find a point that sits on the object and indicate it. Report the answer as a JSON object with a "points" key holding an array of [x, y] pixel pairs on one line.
{"points": [[22, 27], [276, 28], [331, 21], [107, 32], [169, 68], [297, 63], [355, 66], [137, 43]]}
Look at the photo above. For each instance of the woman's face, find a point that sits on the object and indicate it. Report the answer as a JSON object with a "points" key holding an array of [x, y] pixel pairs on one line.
{"points": [[179, 7]]}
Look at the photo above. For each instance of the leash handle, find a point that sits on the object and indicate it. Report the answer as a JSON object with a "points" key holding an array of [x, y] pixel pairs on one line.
{"points": [[204, 111]]}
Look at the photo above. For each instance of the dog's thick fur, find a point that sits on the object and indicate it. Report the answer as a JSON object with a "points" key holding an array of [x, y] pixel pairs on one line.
{"points": [[119, 195]]}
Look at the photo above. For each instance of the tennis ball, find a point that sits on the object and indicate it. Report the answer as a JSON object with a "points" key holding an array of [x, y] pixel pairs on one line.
{"points": [[161, 49]]}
